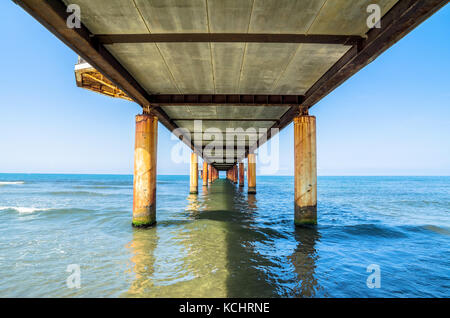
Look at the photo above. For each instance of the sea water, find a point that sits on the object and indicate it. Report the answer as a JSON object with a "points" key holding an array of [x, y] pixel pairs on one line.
{"points": [[224, 242]]}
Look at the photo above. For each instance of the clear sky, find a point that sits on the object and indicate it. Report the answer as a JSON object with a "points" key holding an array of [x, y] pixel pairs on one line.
{"points": [[392, 118]]}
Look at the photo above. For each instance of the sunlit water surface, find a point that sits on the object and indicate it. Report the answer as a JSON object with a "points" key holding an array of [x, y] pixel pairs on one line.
{"points": [[223, 242]]}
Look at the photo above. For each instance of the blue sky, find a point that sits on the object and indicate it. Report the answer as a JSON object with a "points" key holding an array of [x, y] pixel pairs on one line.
{"points": [[392, 118]]}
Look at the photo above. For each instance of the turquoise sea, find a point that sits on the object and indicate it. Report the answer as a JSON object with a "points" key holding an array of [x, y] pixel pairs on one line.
{"points": [[223, 242]]}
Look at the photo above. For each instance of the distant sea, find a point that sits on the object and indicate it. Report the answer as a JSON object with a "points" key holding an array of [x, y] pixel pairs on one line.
{"points": [[223, 242]]}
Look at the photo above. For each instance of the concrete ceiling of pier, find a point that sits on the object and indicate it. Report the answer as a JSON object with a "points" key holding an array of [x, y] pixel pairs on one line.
{"points": [[227, 68]]}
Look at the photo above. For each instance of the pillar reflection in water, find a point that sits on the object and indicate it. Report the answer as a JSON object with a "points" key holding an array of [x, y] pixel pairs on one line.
{"points": [[221, 245], [142, 247], [251, 201], [304, 260], [185, 256], [194, 205]]}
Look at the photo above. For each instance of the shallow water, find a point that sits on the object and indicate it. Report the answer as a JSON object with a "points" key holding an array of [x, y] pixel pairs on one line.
{"points": [[223, 242]]}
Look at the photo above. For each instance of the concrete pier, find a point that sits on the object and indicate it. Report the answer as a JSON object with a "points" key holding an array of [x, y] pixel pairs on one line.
{"points": [[305, 173], [205, 174], [194, 174], [144, 183], [251, 173], [305, 66], [241, 174]]}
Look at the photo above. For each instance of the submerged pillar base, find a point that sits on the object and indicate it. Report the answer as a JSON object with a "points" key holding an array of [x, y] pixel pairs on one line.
{"points": [[145, 217], [251, 190], [305, 215]]}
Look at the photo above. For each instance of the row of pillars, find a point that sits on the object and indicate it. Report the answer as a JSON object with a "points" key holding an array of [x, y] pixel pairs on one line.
{"points": [[237, 174], [305, 172], [209, 174]]}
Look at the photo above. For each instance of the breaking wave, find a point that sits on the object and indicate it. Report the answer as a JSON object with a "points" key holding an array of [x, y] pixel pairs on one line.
{"points": [[22, 210]]}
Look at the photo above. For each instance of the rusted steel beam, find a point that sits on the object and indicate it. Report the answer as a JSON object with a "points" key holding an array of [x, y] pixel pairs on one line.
{"points": [[395, 24], [226, 148], [232, 100], [52, 15], [227, 119], [228, 38]]}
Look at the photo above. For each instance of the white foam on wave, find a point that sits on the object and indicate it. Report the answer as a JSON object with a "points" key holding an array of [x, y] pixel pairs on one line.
{"points": [[11, 182], [22, 210]]}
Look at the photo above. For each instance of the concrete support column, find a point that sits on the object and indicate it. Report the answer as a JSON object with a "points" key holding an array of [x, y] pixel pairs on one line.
{"points": [[205, 173], [194, 174], [209, 174], [235, 174], [144, 183], [251, 173], [305, 173], [241, 174], [232, 174]]}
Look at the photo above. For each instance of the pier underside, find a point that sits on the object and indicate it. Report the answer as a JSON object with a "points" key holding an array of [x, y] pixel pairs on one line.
{"points": [[217, 72]]}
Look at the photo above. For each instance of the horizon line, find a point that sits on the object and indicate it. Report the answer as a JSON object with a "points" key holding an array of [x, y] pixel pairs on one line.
{"points": [[261, 175]]}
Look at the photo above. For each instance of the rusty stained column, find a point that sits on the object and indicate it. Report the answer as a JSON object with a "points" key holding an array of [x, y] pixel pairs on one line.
{"points": [[251, 173], [205, 174], [144, 183], [194, 174], [235, 174], [232, 174], [241, 174], [209, 174], [305, 173]]}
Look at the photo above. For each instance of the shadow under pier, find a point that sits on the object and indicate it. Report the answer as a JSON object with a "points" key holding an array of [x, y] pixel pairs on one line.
{"points": [[214, 250]]}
